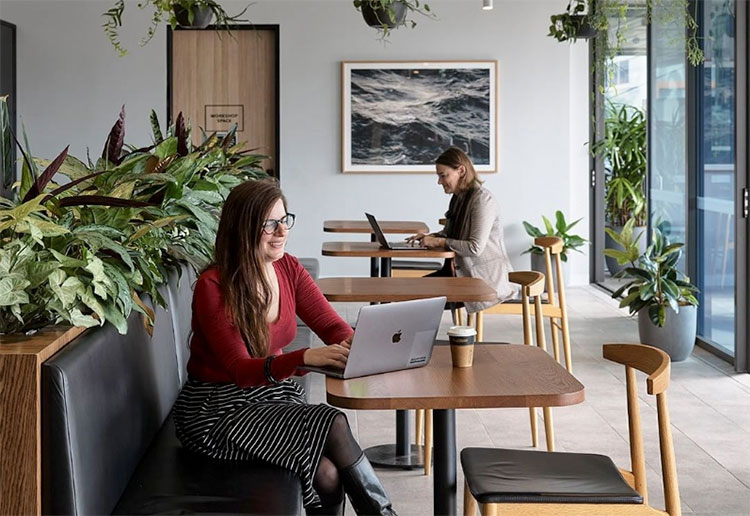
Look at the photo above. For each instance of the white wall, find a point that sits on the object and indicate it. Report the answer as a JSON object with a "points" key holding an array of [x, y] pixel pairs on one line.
{"points": [[71, 85]]}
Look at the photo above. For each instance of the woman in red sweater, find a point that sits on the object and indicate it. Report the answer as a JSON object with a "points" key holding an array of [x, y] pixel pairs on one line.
{"points": [[239, 401]]}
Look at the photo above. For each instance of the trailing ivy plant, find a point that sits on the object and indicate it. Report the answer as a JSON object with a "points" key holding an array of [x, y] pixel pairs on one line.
{"points": [[82, 252], [165, 9], [385, 12], [599, 15]]}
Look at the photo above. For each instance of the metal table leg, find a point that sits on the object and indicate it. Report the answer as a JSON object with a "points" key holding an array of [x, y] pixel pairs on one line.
{"points": [[401, 455], [385, 267], [374, 273], [444, 472]]}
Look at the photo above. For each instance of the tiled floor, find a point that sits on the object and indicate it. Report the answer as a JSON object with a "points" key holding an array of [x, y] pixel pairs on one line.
{"points": [[709, 406]]}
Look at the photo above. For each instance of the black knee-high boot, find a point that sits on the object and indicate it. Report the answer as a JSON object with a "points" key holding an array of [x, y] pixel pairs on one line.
{"points": [[365, 491], [336, 509]]}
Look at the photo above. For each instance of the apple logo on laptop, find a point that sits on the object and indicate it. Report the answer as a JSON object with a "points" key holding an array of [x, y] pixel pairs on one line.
{"points": [[396, 337]]}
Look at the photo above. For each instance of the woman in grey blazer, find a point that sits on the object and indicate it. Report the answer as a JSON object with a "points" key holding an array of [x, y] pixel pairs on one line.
{"points": [[472, 230]]}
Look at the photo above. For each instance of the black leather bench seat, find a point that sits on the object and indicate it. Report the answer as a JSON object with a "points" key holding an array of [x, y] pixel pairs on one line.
{"points": [[109, 443], [173, 480]]}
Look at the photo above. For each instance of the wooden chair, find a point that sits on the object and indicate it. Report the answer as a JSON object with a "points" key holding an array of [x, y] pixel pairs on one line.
{"points": [[553, 307], [521, 482], [532, 286]]}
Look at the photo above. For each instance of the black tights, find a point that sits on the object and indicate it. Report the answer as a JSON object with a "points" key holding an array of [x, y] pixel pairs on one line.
{"points": [[341, 450]]}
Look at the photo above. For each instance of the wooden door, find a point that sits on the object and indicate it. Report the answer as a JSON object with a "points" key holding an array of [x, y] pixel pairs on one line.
{"points": [[217, 79]]}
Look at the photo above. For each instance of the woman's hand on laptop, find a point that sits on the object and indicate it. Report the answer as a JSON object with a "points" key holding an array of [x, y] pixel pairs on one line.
{"points": [[334, 355], [426, 240], [416, 239]]}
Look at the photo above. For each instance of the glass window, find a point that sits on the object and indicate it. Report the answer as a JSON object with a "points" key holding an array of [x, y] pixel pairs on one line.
{"points": [[667, 130], [715, 243]]}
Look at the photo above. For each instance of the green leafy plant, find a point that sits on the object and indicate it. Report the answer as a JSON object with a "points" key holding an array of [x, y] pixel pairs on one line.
{"points": [[655, 282], [623, 149], [560, 229], [172, 11], [83, 251], [571, 24], [599, 16], [386, 12]]}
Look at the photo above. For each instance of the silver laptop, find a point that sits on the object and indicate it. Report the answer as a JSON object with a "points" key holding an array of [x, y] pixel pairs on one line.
{"points": [[391, 337], [395, 246]]}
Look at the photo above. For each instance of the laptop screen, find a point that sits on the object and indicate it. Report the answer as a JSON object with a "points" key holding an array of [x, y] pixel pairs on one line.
{"points": [[376, 229]]}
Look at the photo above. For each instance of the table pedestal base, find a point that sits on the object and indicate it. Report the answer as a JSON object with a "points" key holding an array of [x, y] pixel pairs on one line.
{"points": [[384, 456]]}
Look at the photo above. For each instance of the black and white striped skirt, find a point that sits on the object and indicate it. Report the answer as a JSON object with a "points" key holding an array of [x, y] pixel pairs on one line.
{"points": [[273, 424]]}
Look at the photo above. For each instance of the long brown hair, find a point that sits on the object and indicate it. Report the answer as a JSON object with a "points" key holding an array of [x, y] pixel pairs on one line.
{"points": [[454, 158], [242, 275]]}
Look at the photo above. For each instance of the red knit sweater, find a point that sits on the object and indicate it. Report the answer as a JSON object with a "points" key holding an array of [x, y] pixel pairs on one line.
{"points": [[217, 352]]}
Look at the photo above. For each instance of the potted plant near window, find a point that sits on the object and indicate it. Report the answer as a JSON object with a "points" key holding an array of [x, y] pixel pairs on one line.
{"points": [[185, 13], [623, 150], [386, 15], [560, 229], [658, 292]]}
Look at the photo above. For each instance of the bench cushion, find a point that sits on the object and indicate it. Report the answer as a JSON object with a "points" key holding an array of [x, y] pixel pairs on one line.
{"points": [[173, 480]]}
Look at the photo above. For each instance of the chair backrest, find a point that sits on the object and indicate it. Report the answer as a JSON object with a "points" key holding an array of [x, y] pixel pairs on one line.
{"points": [[656, 364], [532, 286], [553, 247]]}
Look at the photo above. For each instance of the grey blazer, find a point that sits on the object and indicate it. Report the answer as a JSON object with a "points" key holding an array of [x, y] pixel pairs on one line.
{"points": [[480, 251]]}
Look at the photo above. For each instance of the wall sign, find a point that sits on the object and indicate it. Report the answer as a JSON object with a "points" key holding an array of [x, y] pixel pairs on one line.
{"points": [[221, 117]]}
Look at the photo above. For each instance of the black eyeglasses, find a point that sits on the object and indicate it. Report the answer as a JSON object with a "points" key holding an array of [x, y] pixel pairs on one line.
{"points": [[271, 225]]}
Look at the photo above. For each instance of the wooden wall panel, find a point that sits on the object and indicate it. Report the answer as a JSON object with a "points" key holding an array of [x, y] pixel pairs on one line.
{"points": [[218, 80]]}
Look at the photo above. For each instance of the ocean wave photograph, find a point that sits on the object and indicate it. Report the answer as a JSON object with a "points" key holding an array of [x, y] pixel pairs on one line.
{"points": [[410, 116]]}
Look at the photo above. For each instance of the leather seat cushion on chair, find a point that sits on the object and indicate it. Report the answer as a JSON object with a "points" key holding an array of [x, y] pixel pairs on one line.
{"points": [[518, 301], [497, 475], [415, 265], [173, 480]]}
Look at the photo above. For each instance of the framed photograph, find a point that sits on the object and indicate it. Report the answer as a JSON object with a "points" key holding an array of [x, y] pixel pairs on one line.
{"points": [[400, 116]]}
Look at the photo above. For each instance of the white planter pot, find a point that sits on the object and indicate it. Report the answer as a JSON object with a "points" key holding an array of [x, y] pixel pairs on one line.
{"points": [[676, 337]]}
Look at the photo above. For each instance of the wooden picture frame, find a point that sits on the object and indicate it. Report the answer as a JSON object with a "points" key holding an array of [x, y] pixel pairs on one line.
{"points": [[399, 116]]}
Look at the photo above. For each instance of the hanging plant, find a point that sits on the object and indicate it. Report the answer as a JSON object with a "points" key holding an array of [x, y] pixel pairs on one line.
{"points": [[386, 15], [573, 24], [186, 13], [594, 18]]}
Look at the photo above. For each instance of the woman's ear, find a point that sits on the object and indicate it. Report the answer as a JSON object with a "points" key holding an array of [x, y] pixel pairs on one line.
{"points": [[461, 170]]}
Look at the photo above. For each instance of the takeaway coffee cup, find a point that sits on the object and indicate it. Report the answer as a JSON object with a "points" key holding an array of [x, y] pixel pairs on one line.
{"points": [[462, 345]]}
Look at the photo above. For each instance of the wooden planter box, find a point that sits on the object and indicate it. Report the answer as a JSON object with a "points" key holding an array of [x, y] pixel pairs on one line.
{"points": [[21, 358]]}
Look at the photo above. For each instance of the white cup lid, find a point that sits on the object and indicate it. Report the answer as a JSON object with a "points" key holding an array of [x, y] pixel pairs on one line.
{"points": [[461, 331]]}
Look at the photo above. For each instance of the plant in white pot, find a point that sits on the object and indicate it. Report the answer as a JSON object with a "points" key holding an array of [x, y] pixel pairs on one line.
{"points": [[658, 292], [560, 229]]}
